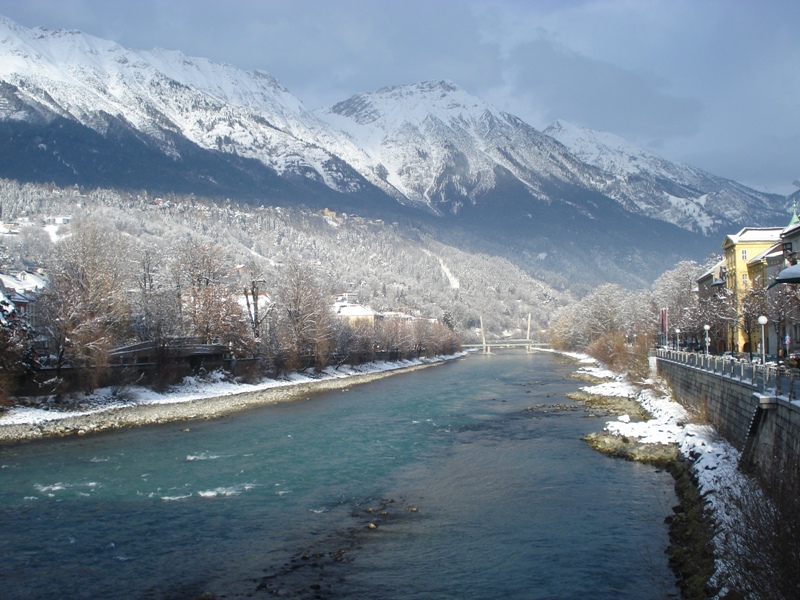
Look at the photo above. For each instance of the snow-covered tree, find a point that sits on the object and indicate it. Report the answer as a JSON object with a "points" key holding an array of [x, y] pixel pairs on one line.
{"points": [[85, 309], [207, 298], [304, 320]]}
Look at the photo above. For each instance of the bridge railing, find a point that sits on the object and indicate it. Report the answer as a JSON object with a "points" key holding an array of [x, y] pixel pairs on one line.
{"points": [[775, 379]]}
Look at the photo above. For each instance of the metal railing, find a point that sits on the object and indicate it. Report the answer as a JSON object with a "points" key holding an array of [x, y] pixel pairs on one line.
{"points": [[768, 379]]}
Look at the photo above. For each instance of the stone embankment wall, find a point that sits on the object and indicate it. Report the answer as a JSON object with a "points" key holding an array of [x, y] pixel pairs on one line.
{"points": [[730, 404]]}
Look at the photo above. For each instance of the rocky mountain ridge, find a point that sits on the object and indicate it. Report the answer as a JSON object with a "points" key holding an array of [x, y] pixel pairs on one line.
{"points": [[653, 186], [429, 144], [79, 110]]}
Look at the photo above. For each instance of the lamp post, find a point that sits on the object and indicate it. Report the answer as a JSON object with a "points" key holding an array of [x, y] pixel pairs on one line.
{"points": [[707, 328], [762, 320], [677, 339]]}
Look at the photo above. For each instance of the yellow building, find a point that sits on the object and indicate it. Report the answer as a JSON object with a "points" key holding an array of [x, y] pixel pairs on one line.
{"points": [[740, 249], [761, 270]]}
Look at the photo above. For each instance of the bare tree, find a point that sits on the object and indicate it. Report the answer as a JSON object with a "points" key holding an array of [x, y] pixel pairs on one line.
{"points": [[15, 346], [85, 308], [305, 326], [156, 309], [754, 304], [760, 551], [259, 306], [207, 298]]}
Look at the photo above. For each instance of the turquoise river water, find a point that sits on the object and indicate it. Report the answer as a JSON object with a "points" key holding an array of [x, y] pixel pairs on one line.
{"points": [[473, 474]]}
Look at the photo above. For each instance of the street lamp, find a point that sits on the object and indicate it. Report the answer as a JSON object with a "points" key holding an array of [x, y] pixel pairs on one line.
{"points": [[677, 339], [707, 328], [762, 320]]}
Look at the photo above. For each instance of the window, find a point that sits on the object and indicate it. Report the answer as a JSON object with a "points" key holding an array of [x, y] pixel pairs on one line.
{"points": [[744, 255], [744, 277]]}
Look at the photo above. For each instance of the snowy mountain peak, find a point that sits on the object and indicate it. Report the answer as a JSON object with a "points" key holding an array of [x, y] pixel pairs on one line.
{"points": [[411, 103], [78, 58], [160, 94], [649, 184], [429, 144], [444, 148]]}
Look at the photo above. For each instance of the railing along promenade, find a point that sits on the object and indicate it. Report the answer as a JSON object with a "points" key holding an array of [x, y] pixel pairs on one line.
{"points": [[754, 406], [777, 380]]}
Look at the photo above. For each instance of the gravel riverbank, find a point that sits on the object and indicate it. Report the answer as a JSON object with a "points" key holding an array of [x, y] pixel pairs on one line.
{"points": [[185, 410]]}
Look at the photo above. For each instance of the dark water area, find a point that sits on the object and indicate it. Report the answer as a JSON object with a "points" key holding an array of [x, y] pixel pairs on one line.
{"points": [[472, 475]]}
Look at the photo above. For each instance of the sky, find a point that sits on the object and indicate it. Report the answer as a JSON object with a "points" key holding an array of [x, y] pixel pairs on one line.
{"points": [[711, 83]]}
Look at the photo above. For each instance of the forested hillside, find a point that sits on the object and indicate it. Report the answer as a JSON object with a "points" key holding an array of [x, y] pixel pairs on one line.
{"points": [[389, 266]]}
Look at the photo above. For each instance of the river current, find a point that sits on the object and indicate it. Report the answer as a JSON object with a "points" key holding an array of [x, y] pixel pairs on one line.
{"points": [[465, 480]]}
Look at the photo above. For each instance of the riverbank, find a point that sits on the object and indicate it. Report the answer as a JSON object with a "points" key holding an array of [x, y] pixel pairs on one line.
{"points": [[703, 464], [208, 398]]}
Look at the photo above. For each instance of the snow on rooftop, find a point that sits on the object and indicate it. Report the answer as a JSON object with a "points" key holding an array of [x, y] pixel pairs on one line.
{"points": [[757, 234], [24, 281], [349, 309]]}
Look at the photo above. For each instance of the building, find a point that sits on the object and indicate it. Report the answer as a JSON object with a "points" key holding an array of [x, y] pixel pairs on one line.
{"points": [[740, 249], [709, 284], [355, 313], [710, 281], [790, 244], [761, 270], [22, 290]]}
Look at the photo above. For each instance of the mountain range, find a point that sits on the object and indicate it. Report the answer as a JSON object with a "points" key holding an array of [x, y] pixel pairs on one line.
{"points": [[566, 203]]}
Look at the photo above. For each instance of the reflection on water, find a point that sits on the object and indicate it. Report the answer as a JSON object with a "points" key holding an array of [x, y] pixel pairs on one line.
{"points": [[435, 484]]}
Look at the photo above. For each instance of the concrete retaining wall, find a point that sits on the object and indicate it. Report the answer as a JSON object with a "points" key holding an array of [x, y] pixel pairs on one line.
{"points": [[729, 404]]}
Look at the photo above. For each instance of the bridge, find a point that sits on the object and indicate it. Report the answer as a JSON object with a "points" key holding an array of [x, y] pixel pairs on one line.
{"points": [[511, 343], [526, 342]]}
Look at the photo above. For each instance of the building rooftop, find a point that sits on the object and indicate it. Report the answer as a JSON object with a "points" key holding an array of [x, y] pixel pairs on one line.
{"points": [[754, 234]]}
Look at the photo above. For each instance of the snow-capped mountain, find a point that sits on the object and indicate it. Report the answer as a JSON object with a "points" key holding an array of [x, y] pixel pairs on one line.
{"points": [[78, 109], [166, 99], [443, 148], [646, 183]]}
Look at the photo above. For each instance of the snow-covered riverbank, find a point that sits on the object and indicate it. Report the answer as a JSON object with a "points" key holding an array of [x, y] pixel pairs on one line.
{"points": [[195, 398], [713, 460]]}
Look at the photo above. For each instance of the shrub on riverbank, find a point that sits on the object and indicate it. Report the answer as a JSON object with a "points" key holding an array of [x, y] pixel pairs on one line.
{"points": [[613, 350]]}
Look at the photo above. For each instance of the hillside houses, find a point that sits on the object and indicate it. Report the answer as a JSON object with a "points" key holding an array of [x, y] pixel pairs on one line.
{"points": [[355, 313], [21, 291]]}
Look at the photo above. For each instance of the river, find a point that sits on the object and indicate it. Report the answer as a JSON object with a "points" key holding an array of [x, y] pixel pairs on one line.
{"points": [[465, 480]]}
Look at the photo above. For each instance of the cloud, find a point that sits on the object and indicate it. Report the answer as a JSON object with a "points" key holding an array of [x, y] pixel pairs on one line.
{"points": [[562, 84], [341, 48], [764, 161]]}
